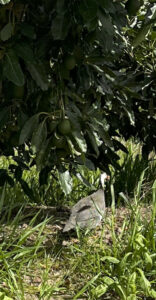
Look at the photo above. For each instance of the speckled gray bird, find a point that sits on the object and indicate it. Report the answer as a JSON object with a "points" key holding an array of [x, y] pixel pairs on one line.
{"points": [[88, 212]]}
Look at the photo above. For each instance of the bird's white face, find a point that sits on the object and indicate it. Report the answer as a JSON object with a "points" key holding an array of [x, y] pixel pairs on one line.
{"points": [[103, 177]]}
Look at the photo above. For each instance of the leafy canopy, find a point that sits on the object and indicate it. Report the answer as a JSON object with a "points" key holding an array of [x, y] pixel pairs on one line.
{"points": [[74, 76]]}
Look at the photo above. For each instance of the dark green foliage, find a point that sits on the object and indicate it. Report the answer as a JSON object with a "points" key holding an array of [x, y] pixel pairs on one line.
{"points": [[73, 59]]}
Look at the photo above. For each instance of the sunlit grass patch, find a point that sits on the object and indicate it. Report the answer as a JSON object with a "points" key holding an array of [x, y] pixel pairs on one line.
{"points": [[117, 260], [126, 266]]}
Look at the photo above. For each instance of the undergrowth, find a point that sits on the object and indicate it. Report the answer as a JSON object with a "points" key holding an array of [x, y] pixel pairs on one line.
{"points": [[124, 179], [115, 261]]}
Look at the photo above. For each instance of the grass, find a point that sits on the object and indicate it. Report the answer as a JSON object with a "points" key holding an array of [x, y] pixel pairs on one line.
{"points": [[114, 261], [132, 165], [126, 267]]}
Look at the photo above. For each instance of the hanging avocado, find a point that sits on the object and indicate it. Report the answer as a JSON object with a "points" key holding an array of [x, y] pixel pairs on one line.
{"points": [[64, 127]]}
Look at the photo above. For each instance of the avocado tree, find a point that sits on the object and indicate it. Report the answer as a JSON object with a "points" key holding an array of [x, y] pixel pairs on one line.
{"points": [[73, 78]]}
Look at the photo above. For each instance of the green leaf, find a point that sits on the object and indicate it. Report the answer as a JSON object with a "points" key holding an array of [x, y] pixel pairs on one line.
{"points": [[28, 129], [151, 13], [18, 173], [124, 260], [4, 115], [80, 140], [120, 291], [93, 141], [100, 290], [146, 285], [2, 197], [41, 156], [24, 51], [27, 30], [83, 180], [131, 284], [60, 6], [94, 128], [38, 73], [39, 137], [148, 260], [89, 164], [107, 280], [132, 297], [12, 69], [106, 138], [106, 22], [110, 259], [82, 160], [4, 177], [119, 146], [21, 162], [10, 180], [72, 146], [139, 240], [97, 60], [152, 293], [88, 9], [141, 35], [43, 175], [60, 27], [75, 120], [4, 1], [106, 33], [89, 283], [132, 277], [65, 182], [2, 295], [6, 32], [28, 191], [130, 114]]}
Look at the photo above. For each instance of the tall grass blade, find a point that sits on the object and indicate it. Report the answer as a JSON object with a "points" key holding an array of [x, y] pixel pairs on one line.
{"points": [[113, 219], [2, 198], [153, 215], [89, 283], [28, 232], [113, 199], [139, 186]]}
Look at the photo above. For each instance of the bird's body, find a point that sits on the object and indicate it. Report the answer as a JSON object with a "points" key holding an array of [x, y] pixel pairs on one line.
{"points": [[88, 212]]}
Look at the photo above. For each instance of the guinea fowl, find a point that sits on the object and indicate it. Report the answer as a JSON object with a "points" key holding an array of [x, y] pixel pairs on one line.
{"points": [[89, 211]]}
